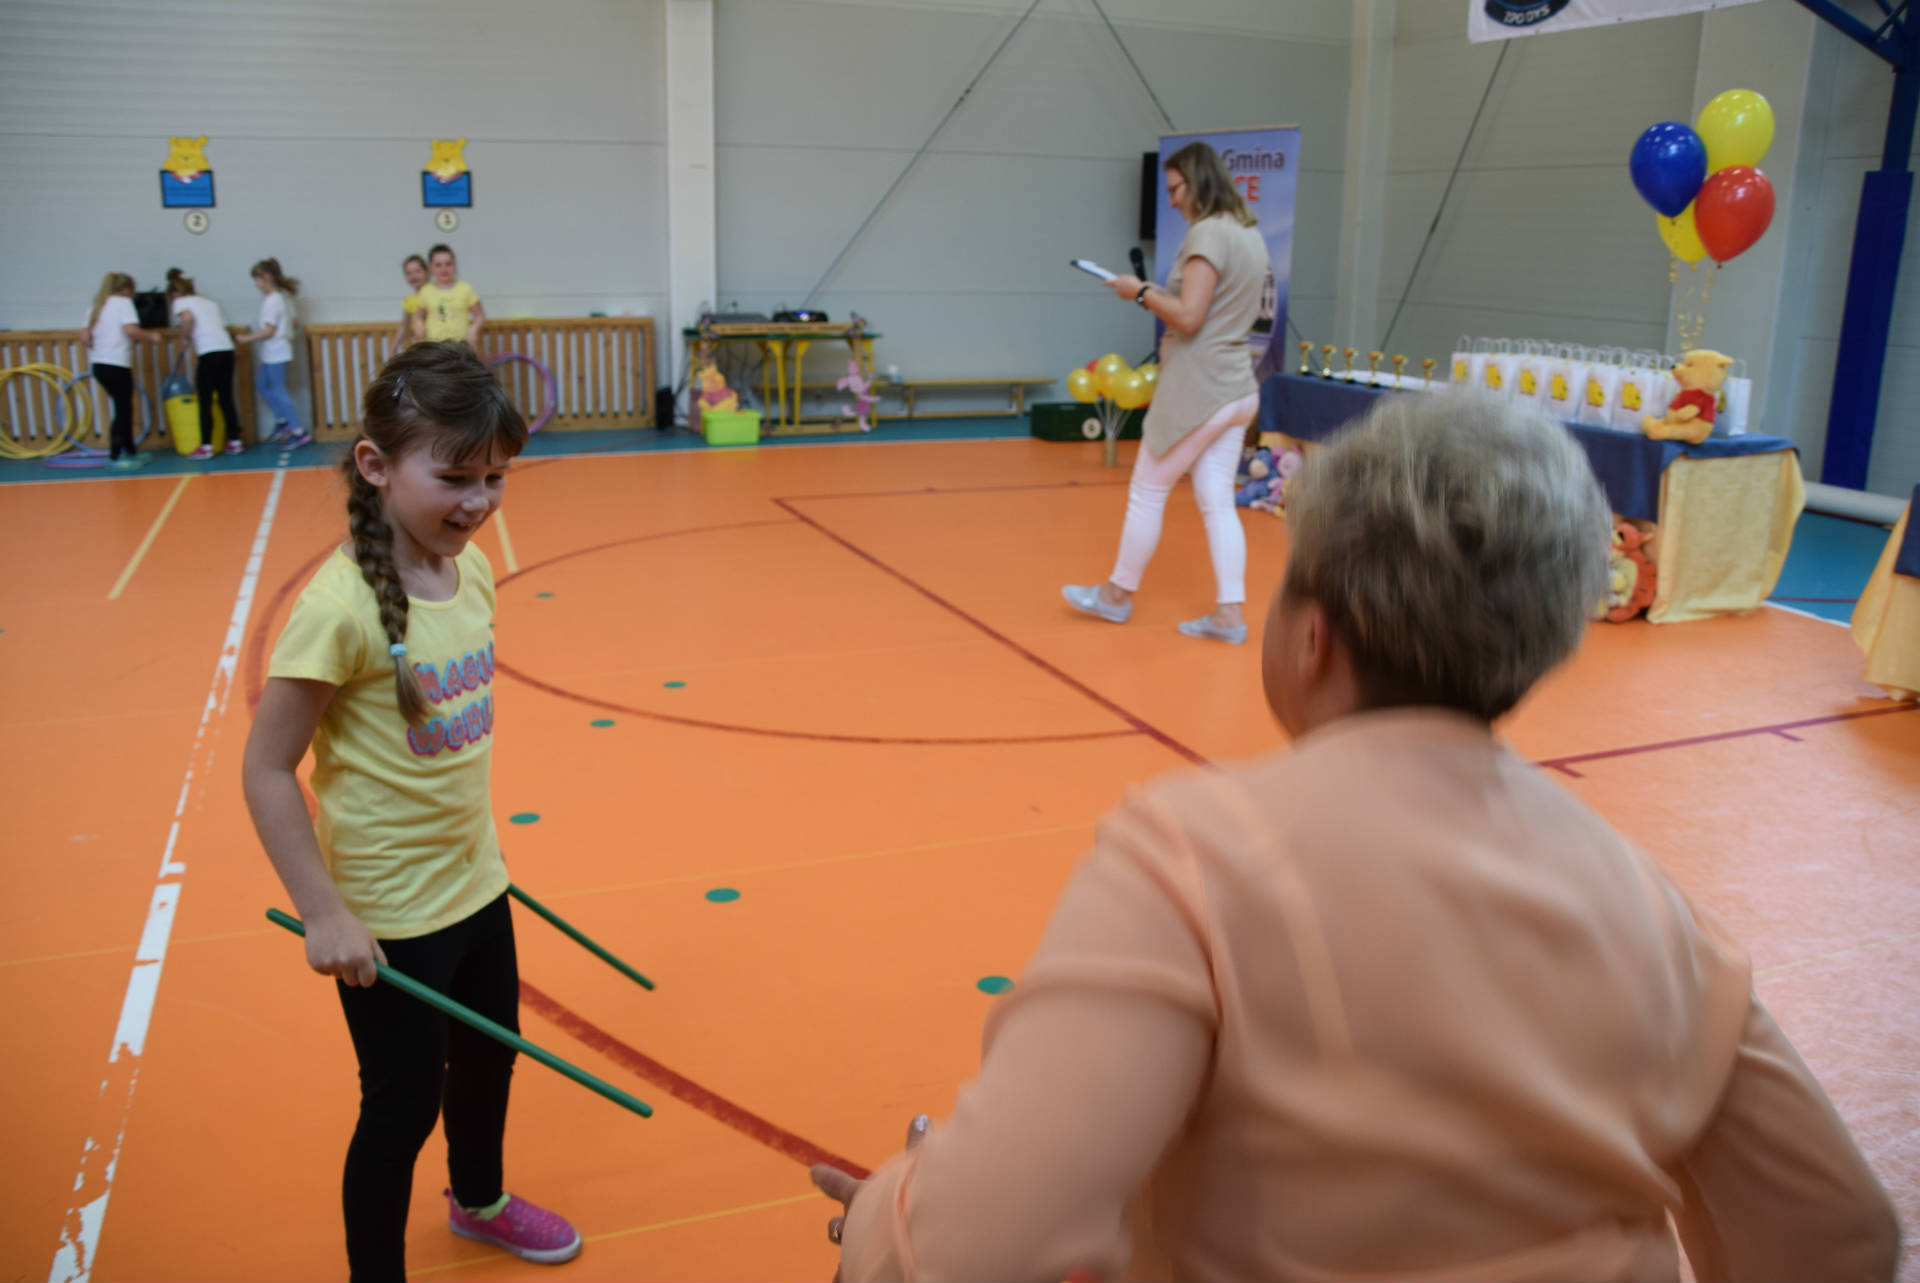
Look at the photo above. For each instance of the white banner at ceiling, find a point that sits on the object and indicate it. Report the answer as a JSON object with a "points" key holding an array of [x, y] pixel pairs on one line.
{"points": [[1504, 19]]}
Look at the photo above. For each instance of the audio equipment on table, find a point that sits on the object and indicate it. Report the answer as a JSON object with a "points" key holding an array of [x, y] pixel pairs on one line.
{"points": [[799, 316]]}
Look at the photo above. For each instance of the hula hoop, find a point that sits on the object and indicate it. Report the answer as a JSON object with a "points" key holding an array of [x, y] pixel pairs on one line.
{"points": [[13, 448], [92, 456], [553, 387]]}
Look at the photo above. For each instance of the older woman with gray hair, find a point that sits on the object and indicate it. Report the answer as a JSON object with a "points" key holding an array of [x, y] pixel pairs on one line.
{"points": [[1392, 1004]]}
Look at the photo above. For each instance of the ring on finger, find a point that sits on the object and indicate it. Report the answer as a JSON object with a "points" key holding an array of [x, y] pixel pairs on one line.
{"points": [[834, 1227]]}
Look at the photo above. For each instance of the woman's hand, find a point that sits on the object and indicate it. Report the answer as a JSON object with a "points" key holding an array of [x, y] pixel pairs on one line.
{"points": [[1126, 287], [837, 1185], [340, 945]]}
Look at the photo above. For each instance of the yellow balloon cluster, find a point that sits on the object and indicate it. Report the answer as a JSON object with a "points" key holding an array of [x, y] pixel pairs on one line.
{"points": [[1110, 377], [1737, 128]]}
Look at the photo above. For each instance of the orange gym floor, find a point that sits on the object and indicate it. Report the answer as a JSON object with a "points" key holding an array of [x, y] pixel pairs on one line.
{"points": [[836, 681]]}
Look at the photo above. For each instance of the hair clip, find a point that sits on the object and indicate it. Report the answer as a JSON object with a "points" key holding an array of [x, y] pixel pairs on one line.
{"points": [[397, 649], [399, 386]]}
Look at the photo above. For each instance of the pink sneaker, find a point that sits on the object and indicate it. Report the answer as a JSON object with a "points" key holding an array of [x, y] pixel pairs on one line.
{"points": [[530, 1233], [236, 447], [201, 452]]}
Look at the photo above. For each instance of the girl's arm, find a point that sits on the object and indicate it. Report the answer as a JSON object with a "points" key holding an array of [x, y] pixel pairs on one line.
{"points": [[264, 332], [338, 944], [139, 335], [402, 330], [473, 328], [186, 331]]}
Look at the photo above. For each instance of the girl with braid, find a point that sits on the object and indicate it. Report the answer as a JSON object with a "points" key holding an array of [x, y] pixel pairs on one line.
{"points": [[385, 667]]}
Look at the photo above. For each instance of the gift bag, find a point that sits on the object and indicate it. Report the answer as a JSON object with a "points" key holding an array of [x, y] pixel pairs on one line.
{"points": [[1669, 386], [1501, 369], [1566, 376], [1639, 394], [1600, 388], [1736, 394], [1530, 374], [1468, 361]]}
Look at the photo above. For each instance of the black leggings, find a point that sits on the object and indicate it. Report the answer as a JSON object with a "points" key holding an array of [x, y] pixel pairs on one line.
{"points": [[213, 376], [118, 381], [408, 1053]]}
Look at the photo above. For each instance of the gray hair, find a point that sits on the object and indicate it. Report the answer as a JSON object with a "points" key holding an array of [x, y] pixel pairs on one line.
{"points": [[1458, 544]]}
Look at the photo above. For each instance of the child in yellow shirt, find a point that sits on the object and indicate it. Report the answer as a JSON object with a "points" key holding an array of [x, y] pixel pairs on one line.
{"points": [[450, 308], [386, 668]]}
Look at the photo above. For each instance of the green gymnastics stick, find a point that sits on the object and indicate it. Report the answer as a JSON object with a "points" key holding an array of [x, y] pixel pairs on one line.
{"points": [[578, 935], [497, 1032]]}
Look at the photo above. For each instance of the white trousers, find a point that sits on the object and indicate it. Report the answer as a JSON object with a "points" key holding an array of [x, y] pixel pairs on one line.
{"points": [[1212, 453]]}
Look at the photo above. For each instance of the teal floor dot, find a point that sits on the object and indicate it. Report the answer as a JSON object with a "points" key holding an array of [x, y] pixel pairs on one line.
{"points": [[723, 895], [525, 817], [993, 984], [673, 686], [543, 594], [601, 721]]}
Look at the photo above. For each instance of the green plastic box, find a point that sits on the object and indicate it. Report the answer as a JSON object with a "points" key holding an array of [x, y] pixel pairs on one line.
{"points": [[730, 427]]}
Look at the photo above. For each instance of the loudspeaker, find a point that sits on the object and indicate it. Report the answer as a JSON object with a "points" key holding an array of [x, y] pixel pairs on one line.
{"points": [[1149, 193], [150, 306], [1071, 421]]}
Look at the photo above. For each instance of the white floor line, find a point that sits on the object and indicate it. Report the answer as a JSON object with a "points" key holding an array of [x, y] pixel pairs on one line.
{"points": [[1807, 614], [80, 1232]]}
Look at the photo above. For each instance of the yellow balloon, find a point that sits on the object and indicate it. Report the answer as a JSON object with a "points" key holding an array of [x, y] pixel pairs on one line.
{"points": [[1682, 238], [1737, 127], [1151, 373], [1129, 391], [1104, 371], [1080, 386]]}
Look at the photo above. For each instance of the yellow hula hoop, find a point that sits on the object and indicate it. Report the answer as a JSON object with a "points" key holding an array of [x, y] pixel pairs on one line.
{"points": [[73, 427]]}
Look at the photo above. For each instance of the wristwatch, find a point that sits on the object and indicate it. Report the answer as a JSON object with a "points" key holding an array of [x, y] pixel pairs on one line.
{"points": [[1141, 297]]}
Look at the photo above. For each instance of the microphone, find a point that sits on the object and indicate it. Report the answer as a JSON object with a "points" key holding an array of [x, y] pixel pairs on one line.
{"points": [[1139, 262]]}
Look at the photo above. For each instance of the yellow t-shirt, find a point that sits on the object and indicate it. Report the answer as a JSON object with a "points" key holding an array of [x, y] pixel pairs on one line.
{"points": [[406, 815], [412, 303], [449, 311]]}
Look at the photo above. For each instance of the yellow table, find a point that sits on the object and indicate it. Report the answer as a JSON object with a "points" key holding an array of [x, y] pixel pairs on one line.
{"points": [[1886, 621], [779, 340]]}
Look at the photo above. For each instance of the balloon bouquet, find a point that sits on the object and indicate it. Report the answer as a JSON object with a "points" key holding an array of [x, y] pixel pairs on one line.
{"points": [[1708, 198], [1117, 390]]}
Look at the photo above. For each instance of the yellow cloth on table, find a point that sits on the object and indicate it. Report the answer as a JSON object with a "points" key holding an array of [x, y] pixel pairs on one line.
{"points": [[1886, 621], [1725, 527]]}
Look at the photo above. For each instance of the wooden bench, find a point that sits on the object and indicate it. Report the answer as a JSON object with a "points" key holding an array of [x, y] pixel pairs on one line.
{"points": [[1016, 394]]}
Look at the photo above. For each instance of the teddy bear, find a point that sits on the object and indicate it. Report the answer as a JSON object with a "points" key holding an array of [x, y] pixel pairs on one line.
{"points": [[715, 395], [1689, 415], [855, 383], [1630, 575]]}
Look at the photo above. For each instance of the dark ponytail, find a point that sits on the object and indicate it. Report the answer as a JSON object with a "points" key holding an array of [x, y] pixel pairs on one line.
{"points": [[179, 284], [434, 395]]}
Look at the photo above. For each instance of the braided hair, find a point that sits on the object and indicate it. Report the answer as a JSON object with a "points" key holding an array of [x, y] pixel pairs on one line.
{"points": [[434, 395]]}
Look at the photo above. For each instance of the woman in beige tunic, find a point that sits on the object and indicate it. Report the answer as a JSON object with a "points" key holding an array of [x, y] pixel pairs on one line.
{"points": [[1393, 1004], [1207, 394]]}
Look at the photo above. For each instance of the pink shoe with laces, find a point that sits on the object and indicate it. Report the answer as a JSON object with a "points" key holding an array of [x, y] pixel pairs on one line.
{"points": [[530, 1233]]}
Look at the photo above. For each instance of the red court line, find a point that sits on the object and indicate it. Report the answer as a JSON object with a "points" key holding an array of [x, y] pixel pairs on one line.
{"points": [[684, 1089], [1564, 764], [1139, 724]]}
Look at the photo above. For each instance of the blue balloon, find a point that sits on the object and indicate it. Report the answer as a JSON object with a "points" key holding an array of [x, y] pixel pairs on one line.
{"points": [[1669, 163]]}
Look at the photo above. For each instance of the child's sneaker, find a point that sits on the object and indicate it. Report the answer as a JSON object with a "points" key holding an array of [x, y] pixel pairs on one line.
{"points": [[530, 1233], [235, 447], [201, 452], [295, 438]]}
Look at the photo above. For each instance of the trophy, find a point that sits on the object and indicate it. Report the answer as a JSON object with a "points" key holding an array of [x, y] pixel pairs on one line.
{"points": [[1347, 377], [1306, 367], [1326, 360], [1426, 368], [1398, 361], [1373, 367]]}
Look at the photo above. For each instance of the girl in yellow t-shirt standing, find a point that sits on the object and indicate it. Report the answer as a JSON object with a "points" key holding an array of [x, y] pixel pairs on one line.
{"points": [[411, 307], [386, 668], [450, 309]]}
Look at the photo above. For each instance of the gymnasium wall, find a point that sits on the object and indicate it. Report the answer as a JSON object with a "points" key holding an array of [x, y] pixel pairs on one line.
{"points": [[1846, 123], [1543, 236], [821, 104], [318, 115]]}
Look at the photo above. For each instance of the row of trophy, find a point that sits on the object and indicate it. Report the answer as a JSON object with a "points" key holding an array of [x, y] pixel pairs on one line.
{"points": [[1350, 375]]}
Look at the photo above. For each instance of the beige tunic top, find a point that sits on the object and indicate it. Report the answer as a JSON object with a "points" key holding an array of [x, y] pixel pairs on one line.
{"points": [[1202, 371], [1393, 1005]]}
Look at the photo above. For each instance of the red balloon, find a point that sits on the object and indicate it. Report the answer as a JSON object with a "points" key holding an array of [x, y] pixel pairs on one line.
{"points": [[1732, 210]]}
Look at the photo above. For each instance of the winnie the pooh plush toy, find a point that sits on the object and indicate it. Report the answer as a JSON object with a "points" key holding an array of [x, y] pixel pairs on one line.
{"points": [[1689, 416], [714, 393]]}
